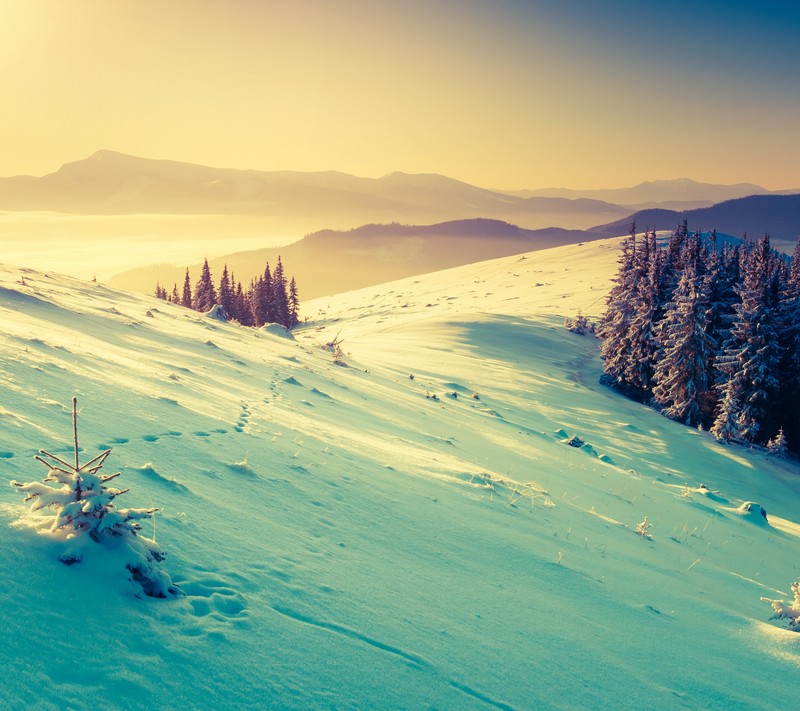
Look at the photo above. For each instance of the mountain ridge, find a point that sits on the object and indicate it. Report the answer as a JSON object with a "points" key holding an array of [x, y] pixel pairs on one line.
{"points": [[109, 182], [776, 215], [654, 193]]}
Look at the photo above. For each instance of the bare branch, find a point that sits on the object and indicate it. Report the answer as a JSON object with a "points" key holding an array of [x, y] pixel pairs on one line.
{"points": [[102, 457], [57, 459]]}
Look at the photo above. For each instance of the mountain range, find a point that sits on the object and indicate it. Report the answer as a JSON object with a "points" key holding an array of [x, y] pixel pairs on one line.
{"points": [[677, 194], [113, 183]]}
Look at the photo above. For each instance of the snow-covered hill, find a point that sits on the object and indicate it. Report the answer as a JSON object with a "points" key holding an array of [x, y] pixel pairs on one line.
{"points": [[407, 528]]}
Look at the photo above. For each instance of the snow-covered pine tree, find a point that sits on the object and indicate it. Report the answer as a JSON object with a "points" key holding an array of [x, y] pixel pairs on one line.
{"points": [[294, 304], [268, 305], [789, 612], [280, 298], [615, 323], [243, 308], [80, 503], [673, 262], [643, 342], [205, 295], [225, 294], [790, 342], [683, 377], [722, 277], [777, 446], [750, 362], [259, 302], [186, 296]]}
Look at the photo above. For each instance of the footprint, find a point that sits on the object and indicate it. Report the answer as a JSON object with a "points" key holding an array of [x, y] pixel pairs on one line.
{"points": [[6, 455], [202, 434], [119, 440], [150, 438], [215, 599]]}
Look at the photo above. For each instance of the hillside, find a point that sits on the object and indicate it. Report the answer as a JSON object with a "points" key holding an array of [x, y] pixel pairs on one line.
{"points": [[345, 540], [332, 261]]}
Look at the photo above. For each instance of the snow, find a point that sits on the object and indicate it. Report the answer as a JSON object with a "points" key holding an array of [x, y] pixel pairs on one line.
{"points": [[344, 541]]}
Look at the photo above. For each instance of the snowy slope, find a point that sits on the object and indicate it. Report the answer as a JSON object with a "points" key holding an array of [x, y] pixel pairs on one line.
{"points": [[345, 540]]}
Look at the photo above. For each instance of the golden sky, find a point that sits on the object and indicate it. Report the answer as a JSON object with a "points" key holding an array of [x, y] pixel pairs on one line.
{"points": [[499, 93]]}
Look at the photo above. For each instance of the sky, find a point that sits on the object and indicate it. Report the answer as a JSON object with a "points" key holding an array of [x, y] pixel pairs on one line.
{"points": [[499, 93]]}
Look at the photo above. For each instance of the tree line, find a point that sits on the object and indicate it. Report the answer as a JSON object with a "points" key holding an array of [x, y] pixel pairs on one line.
{"points": [[267, 299], [709, 334]]}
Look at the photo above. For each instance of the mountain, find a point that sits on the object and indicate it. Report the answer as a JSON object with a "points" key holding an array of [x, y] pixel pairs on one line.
{"points": [[671, 194], [344, 539], [331, 261], [777, 215], [116, 184]]}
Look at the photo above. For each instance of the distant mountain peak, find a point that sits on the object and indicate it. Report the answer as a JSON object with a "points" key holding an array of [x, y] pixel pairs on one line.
{"points": [[106, 154]]}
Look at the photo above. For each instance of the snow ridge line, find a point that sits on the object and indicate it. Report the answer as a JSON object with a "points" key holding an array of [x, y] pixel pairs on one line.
{"points": [[352, 634], [464, 689], [408, 656]]}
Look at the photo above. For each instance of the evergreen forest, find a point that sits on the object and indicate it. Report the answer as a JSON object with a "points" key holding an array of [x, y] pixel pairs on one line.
{"points": [[268, 298], [708, 333]]}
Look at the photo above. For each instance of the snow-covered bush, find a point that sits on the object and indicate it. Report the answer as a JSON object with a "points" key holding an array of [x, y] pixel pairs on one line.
{"points": [[787, 612], [753, 511], [580, 325], [217, 313], [78, 503], [643, 529], [334, 347], [777, 446]]}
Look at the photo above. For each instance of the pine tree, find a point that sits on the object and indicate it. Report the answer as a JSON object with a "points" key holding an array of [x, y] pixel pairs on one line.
{"points": [[262, 307], [186, 298], [643, 341], [790, 342], [243, 308], [777, 446], [675, 250], [294, 304], [175, 299], [225, 297], [722, 277], [749, 365], [683, 376], [615, 323], [205, 296], [82, 509], [259, 302], [280, 299], [267, 305]]}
